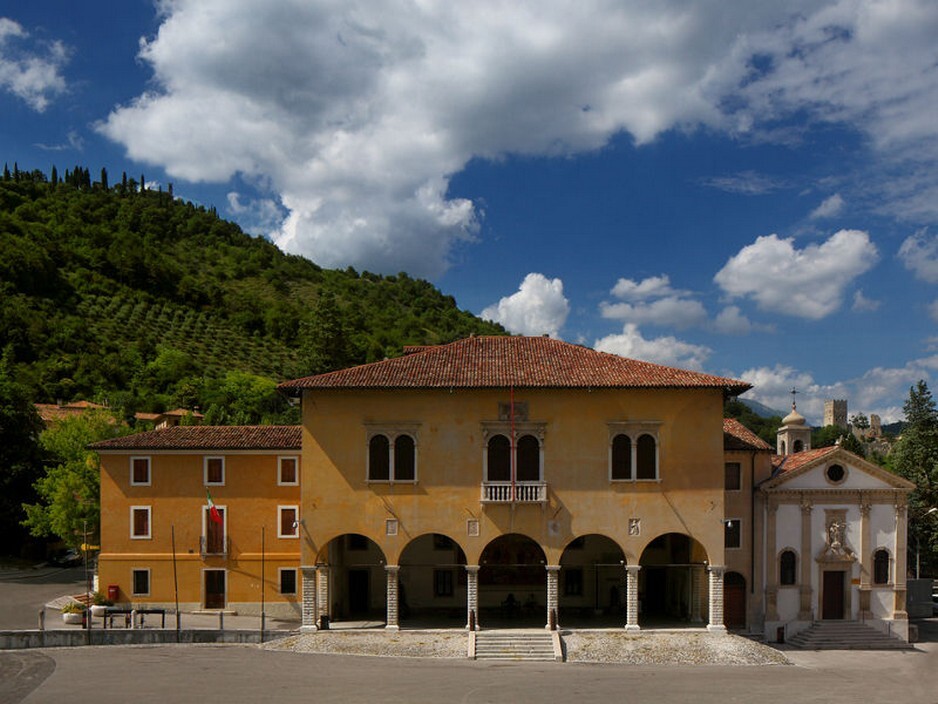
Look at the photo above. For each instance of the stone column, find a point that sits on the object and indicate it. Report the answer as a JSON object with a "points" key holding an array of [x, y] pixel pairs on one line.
{"points": [[310, 607], [472, 596], [898, 609], [716, 599], [392, 573], [806, 611], [866, 558], [553, 595], [698, 594], [631, 597], [324, 605], [771, 561]]}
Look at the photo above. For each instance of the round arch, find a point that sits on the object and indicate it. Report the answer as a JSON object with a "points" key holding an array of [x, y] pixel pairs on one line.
{"points": [[592, 587], [355, 580], [512, 581], [432, 582], [672, 583]]}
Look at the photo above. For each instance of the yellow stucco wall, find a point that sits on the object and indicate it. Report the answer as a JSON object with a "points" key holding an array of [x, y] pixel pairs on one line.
{"points": [[177, 496], [687, 499]]}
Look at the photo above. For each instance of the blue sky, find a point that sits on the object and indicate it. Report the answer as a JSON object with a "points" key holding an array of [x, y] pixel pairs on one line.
{"points": [[743, 188]]}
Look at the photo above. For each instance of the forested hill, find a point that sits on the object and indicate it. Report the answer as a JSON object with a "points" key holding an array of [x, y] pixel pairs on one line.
{"points": [[110, 291]]}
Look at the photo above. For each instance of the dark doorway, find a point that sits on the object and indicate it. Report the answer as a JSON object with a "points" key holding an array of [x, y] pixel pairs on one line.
{"points": [[734, 600], [358, 589], [833, 605], [513, 582], [672, 582], [214, 589]]}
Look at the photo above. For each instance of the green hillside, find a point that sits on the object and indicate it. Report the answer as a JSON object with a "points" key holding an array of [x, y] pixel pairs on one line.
{"points": [[111, 292]]}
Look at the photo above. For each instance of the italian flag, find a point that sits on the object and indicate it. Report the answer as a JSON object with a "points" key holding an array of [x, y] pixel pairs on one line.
{"points": [[213, 513]]}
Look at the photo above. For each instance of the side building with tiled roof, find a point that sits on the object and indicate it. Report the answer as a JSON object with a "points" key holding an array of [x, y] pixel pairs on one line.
{"points": [[519, 481], [158, 529]]}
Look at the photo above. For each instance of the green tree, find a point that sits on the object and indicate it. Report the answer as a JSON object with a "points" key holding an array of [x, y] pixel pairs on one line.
{"points": [[20, 455], [324, 339], [860, 421], [69, 491], [915, 457], [826, 436], [851, 443]]}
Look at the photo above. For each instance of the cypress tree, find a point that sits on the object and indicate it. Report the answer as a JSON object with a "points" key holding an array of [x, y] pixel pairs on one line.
{"points": [[54, 178], [104, 178]]}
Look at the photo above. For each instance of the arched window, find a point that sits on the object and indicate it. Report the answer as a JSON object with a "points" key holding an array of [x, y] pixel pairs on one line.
{"points": [[646, 459], [622, 457], [787, 563], [499, 459], [379, 459], [798, 446], [881, 566], [529, 459], [404, 458], [392, 461]]}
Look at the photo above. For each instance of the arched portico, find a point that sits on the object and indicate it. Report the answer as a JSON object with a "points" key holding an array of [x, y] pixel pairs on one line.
{"points": [[512, 582], [673, 582], [350, 580], [432, 582], [593, 579]]}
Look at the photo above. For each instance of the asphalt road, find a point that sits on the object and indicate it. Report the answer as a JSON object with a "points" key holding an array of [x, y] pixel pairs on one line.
{"points": [[247, 674], [24, 592]]}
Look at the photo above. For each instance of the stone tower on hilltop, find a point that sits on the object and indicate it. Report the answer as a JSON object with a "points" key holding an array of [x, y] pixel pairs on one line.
{"points": [[835, 413]]}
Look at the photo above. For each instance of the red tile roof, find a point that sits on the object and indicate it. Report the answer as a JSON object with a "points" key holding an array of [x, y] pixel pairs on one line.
{"points": [[737, 436], [789, 463], [209, 437], [501, 362]]}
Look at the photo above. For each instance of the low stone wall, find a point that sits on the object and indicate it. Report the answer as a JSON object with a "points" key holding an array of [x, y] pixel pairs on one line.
{"points": [[18, 640]]}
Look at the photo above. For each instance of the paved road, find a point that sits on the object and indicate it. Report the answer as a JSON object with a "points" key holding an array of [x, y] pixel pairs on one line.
{"points": [[234, 674], [24, 592]]}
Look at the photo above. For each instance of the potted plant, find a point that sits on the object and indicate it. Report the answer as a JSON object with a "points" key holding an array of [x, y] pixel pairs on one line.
{"points": [[99, 604], [73, 612]]}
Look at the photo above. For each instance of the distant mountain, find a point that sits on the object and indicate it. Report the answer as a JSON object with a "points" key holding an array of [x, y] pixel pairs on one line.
{"points": [[118, 292], [760, 409]]}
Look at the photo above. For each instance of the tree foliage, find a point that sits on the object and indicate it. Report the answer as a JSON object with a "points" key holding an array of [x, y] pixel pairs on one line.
{"points": [[68, 504], [915, 457], [765, 428]]}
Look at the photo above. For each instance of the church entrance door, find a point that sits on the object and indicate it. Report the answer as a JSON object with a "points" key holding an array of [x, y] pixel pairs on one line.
{"points": [[833, 585]]}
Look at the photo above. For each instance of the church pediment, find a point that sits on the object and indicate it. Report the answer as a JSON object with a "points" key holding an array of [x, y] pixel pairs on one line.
{"points": [[832, 468]]}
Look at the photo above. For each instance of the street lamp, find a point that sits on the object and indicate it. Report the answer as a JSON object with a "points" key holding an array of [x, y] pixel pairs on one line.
{"points": [[928, 512]]}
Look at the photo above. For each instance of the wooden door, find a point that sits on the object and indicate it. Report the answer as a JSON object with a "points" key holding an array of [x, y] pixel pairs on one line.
{"points": [[734, 600], [214, 589], [833, 604]]}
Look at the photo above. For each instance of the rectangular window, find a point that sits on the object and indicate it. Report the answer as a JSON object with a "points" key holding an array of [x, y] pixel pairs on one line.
{"points": [[732, 533], [288, 472], [215, 534], [732, 480], [141, 582], [140, 471], [573, 582], [289, 526], [442, 583], [287, 580], [215, 470], [140, 522]]}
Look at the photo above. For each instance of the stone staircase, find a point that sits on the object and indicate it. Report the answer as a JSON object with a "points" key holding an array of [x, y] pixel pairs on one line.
{"points": [[845, 635], [533, 645]]}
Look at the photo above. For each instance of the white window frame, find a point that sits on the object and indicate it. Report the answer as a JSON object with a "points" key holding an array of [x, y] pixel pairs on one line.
{"points": [[296, 581], [296, 521], [133, 581], [296, 465], [205, 461], [391, 431], [149, 462], [149, 510], [634, 430]]}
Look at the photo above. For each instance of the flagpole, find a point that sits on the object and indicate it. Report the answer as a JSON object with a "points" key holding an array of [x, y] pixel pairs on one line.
{"points": [[263, 615], [175, 579]]}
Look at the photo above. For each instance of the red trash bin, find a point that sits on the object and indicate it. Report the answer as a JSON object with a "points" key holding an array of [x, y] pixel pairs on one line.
{"points": [[113, 592]]}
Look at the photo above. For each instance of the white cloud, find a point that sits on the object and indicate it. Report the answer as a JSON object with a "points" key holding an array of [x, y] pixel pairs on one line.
{"points": [[675, 312], [933, 310], [731, 321], [537, 308], [862, 304], [747, 183], [661, 350], [261, 214], [829, 207], [652, 287], [919, 253], [357, 114], [30, 70], [807, 283]]}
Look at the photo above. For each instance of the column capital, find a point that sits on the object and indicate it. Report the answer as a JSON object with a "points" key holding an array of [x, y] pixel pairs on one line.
{"points": [[717, 570], [806, 506], [633, 569], [392, 568], [552, 568], [472, 569], [309, 568]]}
